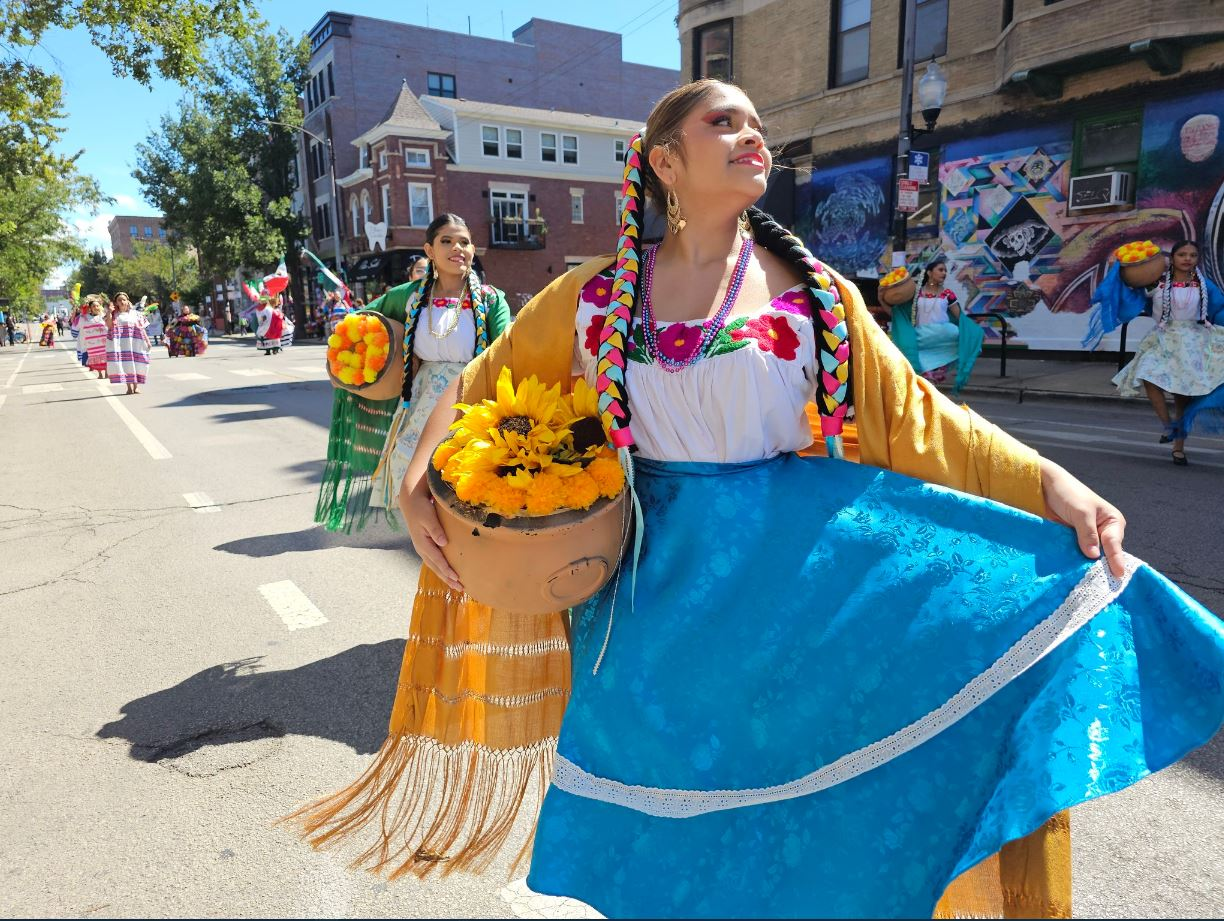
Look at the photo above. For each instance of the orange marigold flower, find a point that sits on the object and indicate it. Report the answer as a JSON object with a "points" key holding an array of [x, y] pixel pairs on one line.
{"points": [[608, 476], [547, 494], [581, 491]]}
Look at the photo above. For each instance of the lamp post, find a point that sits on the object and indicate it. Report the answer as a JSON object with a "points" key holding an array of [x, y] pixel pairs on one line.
{"points": [[331, 169], [932, 89]]}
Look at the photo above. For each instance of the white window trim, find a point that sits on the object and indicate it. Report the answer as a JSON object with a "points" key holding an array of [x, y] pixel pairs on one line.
{"points": [[620, 149], [519, 187], [367, 207], [355, 214], [386, 203], [417, 150], [500, 147], [382, 158], [428, 187], [522, 143], [555, 147], [561, 148], [578, 194]]}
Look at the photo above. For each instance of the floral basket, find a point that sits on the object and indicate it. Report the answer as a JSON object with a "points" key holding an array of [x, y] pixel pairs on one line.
{"points": [[897, 287], [1142, 263], [365, 355], [531, 497]]}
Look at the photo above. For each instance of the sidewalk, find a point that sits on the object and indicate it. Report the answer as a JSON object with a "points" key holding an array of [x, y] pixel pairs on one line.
{"points": [[1049, 380]]}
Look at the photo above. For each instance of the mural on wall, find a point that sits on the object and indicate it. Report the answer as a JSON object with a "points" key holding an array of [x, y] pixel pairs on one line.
{"points": [[1011, 243], [842, 215]]}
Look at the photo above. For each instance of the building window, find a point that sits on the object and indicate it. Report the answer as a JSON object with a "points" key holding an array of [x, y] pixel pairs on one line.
{"points": [[851, 36], [931, 32], [619, 152], [355, 227], [322, 222], [331, 83], [441, 85], [508, 214], [575, 206], [148, 231], [135, 231], [620, 204], [363, 157], [548, 147], [420, 204], [514, 143], [490, 140], [416, 157], [382, 159], [712, 51], [569, 149], [1009, 11], [1108, 142], [161, 233], [367, 209], [386, 203]]}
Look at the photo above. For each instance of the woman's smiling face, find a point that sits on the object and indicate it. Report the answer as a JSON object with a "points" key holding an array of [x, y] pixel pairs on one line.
{"points": [[721, 153]]}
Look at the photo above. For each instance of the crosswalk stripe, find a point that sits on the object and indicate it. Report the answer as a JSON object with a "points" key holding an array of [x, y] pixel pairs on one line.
{"points": [[201, 502], [252, 372], [292, 606], [41, 388], [188, 376]]}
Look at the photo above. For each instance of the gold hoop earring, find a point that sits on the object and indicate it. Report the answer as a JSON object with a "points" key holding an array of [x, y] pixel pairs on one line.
{"points": [[675, 220], [745, 224]]}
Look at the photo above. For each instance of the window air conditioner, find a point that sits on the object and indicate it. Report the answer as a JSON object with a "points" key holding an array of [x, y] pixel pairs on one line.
{"points": [[1101, 190]]}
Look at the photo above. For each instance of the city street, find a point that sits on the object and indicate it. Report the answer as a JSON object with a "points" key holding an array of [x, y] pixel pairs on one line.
{"points": [[190, 656]]}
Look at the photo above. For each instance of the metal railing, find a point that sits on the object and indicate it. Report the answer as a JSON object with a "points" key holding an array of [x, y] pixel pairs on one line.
{"points": [[1004, 330]]}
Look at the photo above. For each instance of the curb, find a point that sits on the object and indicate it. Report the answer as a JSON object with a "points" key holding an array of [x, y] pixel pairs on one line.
{"points": [[1022, 394]]}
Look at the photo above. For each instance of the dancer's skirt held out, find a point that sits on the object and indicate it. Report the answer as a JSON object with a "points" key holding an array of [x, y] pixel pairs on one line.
{"points": [[834, 688]]}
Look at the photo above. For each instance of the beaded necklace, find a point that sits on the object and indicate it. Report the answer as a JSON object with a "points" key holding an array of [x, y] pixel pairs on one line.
{"points": [[710, 328]]}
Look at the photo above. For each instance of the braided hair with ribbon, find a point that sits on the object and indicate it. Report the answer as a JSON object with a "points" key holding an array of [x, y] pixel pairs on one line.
{"points": [[829, 315], [1167, 285]]}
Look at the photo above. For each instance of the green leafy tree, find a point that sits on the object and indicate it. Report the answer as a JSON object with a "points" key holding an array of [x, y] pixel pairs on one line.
{"points": [[222, 172]]}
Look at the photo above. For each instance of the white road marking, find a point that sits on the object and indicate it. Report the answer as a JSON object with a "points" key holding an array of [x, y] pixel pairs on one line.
{"points": [[156, 449], [252, 372], [201, 502], [309, 369], [1038, 441], [3, 397], [41, 388], [9, 382], [290, 602], [188, 376]]}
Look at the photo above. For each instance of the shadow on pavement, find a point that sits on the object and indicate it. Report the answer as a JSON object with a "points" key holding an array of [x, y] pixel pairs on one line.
{"points": [[346, 698], [308, 400], [1209, 760], [314, 538]]}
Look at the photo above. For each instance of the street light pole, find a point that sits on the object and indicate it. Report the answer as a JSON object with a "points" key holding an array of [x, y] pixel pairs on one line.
{"points": [[905, 133], [331, 168]]}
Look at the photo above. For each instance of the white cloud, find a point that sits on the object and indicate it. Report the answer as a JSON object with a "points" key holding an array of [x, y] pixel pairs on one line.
{"points": [[92, 229], [127, 201]]}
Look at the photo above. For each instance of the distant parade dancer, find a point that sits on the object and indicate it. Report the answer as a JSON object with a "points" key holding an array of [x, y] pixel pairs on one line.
{"points": [[127, 346]]}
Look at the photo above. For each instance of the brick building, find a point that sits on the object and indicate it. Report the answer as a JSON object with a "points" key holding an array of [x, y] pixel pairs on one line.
{"points": [[359, 69], [126, 229], [1070, 127]]}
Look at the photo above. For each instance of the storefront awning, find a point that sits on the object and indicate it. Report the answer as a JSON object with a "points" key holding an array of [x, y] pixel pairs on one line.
{"points": [[369, 267]]}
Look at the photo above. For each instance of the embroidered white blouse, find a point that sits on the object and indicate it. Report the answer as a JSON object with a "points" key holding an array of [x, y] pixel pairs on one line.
{"points": [[742, 401], [934, 309], [435, 319], [1185, 304]]}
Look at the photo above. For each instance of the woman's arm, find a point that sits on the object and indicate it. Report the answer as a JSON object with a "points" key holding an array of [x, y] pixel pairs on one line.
{"points": [[954, 310], [415, 500]]}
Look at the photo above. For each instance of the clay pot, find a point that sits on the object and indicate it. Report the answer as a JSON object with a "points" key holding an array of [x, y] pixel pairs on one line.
{"points": [[1145, 273], [390, 382], [531, 565], [899, 292]]}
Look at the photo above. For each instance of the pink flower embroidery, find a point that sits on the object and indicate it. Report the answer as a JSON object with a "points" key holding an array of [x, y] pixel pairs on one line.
{"points": [[598, 291], [678, 341], [772, 334], [793, 301], [593, 332]]}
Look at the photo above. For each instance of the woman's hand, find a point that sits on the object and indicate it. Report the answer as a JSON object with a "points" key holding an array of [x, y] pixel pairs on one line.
{"points": [[425, 530], [1098, 525]]}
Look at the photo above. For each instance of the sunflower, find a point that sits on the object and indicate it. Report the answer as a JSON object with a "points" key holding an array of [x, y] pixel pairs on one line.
{"points": [[523, 424]]}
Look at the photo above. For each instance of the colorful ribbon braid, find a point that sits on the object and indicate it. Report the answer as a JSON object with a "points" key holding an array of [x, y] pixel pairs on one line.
{"points": [[610, 384], [412, 313], [833, 397]]}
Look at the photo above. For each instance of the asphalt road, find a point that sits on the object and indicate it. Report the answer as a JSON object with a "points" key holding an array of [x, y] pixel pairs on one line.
{"points": [[190, 657]]}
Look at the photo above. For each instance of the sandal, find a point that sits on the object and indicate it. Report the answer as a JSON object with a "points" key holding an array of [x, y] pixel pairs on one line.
{"points": [[1179, 458]]}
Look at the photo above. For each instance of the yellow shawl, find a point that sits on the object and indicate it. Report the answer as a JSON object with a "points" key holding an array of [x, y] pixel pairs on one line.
{"points": [[482, 692]]}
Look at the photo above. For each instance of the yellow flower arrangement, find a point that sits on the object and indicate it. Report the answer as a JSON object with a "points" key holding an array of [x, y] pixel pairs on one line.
{"points": [[531, 451], [1136, 251], [896, 276]]}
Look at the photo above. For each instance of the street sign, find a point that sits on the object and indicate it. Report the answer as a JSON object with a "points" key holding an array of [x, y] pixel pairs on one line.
{"points": [[919, 166], [907, 195]]}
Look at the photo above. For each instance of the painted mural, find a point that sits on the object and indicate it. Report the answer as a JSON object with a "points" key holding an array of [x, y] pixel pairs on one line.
{"points": [[1012, 246], [842, 215]]}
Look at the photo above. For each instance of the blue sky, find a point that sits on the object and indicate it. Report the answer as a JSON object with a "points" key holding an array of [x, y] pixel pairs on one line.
{"points": [[109, 116]]}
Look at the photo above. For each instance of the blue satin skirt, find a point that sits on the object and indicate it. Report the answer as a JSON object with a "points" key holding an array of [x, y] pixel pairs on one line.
{"points": [[828, 689]]}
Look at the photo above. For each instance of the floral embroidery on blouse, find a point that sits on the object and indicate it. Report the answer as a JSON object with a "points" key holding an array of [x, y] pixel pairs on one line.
{"points": [[770, 332]]}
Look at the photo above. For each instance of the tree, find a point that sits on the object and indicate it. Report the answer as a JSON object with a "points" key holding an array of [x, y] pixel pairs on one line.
{"points": [[139, 36], [221, 174], [153, 269]]}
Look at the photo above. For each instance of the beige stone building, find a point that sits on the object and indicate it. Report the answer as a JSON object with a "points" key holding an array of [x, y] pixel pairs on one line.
{"points": [[1069, 127]]}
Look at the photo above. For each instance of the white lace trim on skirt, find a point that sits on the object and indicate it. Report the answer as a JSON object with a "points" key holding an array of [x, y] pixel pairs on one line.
{"points": [[1092, 594]]}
